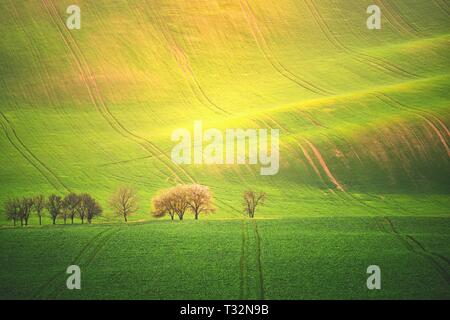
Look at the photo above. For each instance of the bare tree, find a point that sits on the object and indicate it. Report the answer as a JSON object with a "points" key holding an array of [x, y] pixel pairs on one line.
{"points": [[54, 206], [163, 204], [71, 202], [82, 206], [92, 208], [199, 199], [179, 199], [12, 210], [124, 202], [252, 200], [39, 204], [25, 207]]}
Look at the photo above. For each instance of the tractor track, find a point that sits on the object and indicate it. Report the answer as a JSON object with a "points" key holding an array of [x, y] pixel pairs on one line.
{"points": [[88, 256], [95, 95], [259, 261], [243, 281], [405, 239], [423, 252], [389, 10], [40, 293], [270, 57], [30, 157], [358, 56], [182, 60], [442, 6], [421, 114]]}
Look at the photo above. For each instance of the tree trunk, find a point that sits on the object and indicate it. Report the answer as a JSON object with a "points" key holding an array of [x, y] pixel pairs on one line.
{"points": [[125, 218], [71, 219], [54, 220], [40, 220], [82, 220], [14, 222], [196, 216], [171, 216], [65, 219]]}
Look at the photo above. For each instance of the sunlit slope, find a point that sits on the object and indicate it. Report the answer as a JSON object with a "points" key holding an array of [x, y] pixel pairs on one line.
{"points": [[359, 111]]}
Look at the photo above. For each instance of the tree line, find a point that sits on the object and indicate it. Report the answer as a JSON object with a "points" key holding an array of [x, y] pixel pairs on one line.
{"points": [[198, 199], [73, 205], [174, 202]]}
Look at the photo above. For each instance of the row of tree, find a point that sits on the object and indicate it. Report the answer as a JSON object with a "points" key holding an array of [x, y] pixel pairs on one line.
{"points": [[195, 198], [72, 205], [178, 200]]}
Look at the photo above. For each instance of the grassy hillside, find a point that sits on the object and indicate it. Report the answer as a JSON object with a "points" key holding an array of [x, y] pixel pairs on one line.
{"points": [[364, 152]]}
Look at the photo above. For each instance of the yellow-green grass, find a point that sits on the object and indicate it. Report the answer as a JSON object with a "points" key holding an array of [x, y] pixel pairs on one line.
{"points": [[366, 110]]}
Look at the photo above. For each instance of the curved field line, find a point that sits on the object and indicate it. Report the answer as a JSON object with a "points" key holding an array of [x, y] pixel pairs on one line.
{"points": [[419, 110], [361, 57], [423, 253], [35, 52], [268, 54], [258, 261], [390, 101], [39, 291], [311, 162], [88, 256], [243, 281], [443, 258], [182, 60], [430, 255], [324, 166], [442, 6], [443, 271], [418, 243], [97, 98], [26, 153], [391, 12]]}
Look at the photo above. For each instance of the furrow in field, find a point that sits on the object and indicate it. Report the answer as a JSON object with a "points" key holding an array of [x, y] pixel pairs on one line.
{"points": [[182, 60], [324, 165], [36, 55], [419, 110], [29, 156], [403, 239], [410, 237], [390, 101], [440, 256], [243, 274], [426, 254], [41, 291], [442, 5], [311, 163], [97, 98], [390, 11], [360, 57], [87, 257], [269, 56], [259, 261]]}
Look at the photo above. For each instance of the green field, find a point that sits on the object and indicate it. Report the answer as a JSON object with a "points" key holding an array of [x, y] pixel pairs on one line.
{"points": [[364, 146]]}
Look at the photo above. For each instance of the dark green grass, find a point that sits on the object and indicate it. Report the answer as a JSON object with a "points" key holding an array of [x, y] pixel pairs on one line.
{"points": [[298, 258]]}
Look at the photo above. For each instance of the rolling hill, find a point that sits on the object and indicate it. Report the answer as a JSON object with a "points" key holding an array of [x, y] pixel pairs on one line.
{"points": [[364, 144]]}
